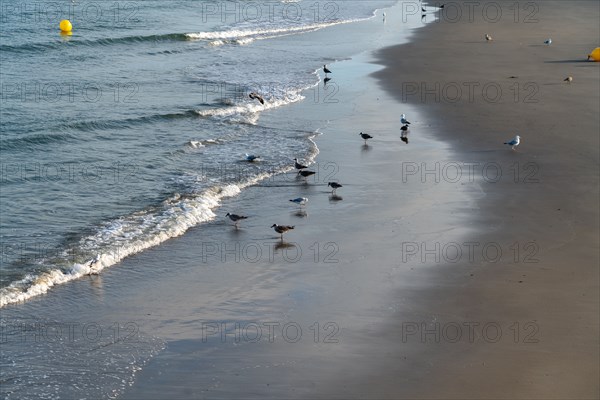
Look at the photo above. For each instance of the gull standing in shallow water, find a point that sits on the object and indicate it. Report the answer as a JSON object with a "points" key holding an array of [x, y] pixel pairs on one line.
{"points": [[365, 136], [334, 186], [281, 229], [235, 218], [514, 142], [300, 201], [327, 71], [306, 174], [404, 120], [298, 165]]}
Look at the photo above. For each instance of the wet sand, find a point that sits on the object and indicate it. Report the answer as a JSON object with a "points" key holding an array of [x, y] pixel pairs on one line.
{"points": [[551, 207]]}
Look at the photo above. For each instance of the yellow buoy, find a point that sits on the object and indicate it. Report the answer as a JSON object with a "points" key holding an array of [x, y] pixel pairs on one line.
{"points": [[65, 25], [595, 54]]}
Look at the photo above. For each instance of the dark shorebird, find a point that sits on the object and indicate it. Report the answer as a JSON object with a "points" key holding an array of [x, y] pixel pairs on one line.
{"points": [[327, 79], [514, 142], [281, 229], [365, 136], [251, 157], [300, 201], [334, 186], [404, 128], [404, 138], [306, 174], [327, 71], [404, 120], [235, 218], [256, 96], [423, 9], [298, 165], [442, 6]]}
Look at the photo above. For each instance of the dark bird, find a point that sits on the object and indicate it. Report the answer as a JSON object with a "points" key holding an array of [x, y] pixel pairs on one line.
{"points": [[235, 218], [442, 6], [306, 174], [327, 71], [252, 157], [423, 9], [568, 79], [256, 96], [327, 79], [334, 186], [281, 229], [404, 139], [298, 165], [404, 128], [365, 136]]}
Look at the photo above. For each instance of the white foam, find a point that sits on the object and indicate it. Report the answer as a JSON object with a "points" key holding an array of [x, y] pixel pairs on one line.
{"points": [[126, 236], [245, 36]]}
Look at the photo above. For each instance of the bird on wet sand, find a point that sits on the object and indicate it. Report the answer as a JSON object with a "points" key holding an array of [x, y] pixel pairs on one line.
{"points": [[298, 165], [334, 186], [488, 37], [252, 157], [300, 201], [514, 142], [404, 120], [256, 96], [365, 136], [568, 79], [326, 70], [404, 138], [306, 174], [281, 229], [404, 128], [548, 42], [235, 218]]}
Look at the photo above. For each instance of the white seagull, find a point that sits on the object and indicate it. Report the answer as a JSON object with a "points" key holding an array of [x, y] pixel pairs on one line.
{"points": [[514, 142], [300, 201], [404, 120]]}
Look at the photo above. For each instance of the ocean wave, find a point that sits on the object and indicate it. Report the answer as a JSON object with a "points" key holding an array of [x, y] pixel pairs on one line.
{"points": [[125, 236], [246, 36]]}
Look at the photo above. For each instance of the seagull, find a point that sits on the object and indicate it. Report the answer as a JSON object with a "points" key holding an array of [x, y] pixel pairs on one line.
{"points": [[404, 138], [404, 120], [326, 70], [548, 41], [256, 96], [281, 229], [384, 16], [251, 157], [334, 186], [365, 136], [93, 265], [235, 218], [306, 174], [568, 79], [488, 37], [404, 128], [300, 201], [443, 5], [423, 9], [298, 165], [327, 79], [514, 142]]}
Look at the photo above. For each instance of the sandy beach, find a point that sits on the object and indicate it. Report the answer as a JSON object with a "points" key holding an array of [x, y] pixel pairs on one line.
{"points": [[448, 267]]}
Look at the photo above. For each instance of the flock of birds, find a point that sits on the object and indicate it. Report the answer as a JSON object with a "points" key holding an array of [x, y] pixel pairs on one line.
{"points": [[305, 173], [547, 42]]}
